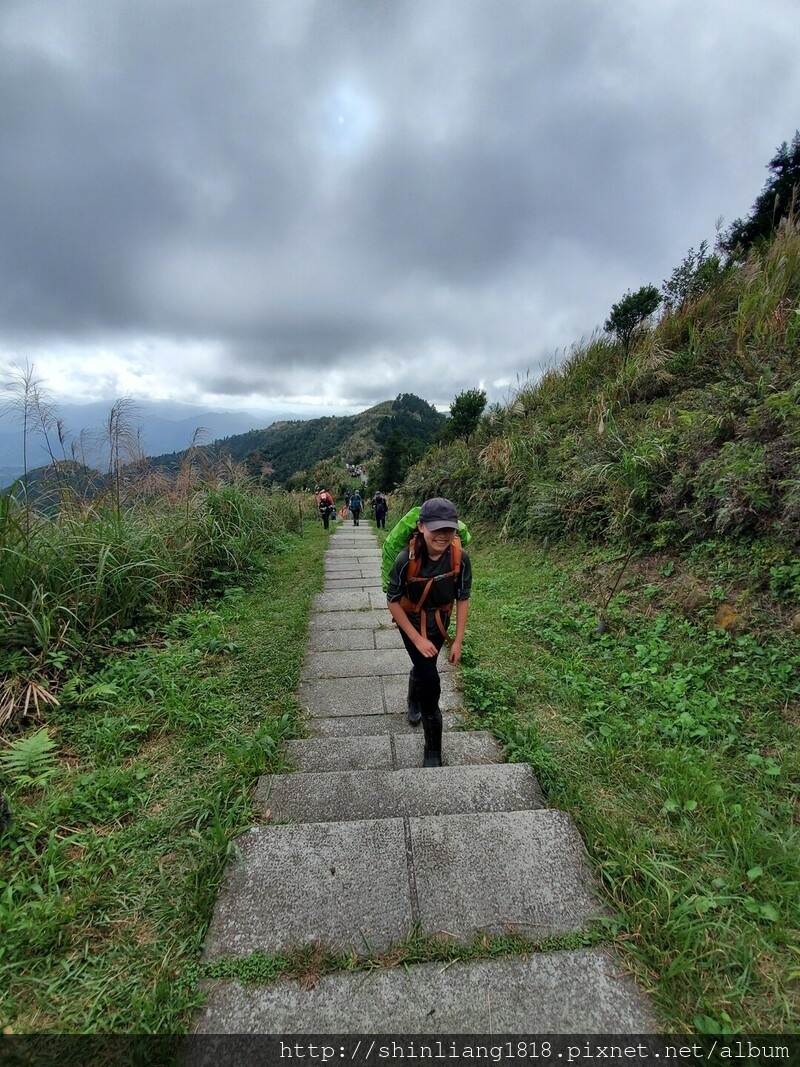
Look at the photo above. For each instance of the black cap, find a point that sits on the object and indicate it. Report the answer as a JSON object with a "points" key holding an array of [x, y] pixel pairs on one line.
{"points": [[439, 514]]}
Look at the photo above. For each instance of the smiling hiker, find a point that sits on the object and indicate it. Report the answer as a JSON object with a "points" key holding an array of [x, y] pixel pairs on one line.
{"points": [[429, 577]]}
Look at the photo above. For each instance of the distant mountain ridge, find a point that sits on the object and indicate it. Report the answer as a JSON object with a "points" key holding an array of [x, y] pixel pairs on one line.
{"points": [[387, 437], [292, 450], [165, 427]]}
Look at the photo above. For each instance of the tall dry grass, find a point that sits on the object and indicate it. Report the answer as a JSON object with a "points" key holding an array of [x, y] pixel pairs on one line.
{"points": [[693, 432]]}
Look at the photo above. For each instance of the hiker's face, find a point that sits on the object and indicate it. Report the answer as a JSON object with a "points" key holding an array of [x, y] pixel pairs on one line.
{"points": [[437, 541]]}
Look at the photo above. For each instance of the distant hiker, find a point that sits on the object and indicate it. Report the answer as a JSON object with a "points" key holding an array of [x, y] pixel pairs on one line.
{"points": [[355, 506], [380, 508], [327, 507], [428, 578]]}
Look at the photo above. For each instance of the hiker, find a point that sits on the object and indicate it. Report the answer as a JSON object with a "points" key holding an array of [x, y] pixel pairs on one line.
{"points": [[355, 507], [438, 586], [327, 507], [380, 509]]}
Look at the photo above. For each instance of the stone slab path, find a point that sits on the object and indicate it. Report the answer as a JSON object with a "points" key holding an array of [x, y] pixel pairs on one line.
{"points": [[362, 846]]}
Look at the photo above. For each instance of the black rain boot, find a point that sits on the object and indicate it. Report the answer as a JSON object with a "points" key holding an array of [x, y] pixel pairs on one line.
{"points": [[414, 710], [433, 740]]}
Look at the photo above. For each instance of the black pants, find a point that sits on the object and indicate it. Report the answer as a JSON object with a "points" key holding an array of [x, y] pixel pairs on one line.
{"points": [[356, 515], [425, 672]]}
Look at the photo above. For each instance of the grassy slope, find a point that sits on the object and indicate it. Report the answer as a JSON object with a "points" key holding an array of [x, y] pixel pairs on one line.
{"points": [[669, 743], [113, 867], [673, 739], [673, 745], [693, 434]]}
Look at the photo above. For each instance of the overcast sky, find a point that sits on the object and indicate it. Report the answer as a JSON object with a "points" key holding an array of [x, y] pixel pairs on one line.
{"points": [[318, 204]]}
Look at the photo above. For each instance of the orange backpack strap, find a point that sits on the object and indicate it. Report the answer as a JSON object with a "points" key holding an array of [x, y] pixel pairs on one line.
{"points": [[455, 556], [412, 575]]}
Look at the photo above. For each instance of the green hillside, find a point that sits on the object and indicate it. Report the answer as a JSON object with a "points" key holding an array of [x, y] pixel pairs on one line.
{"points": [[385, 440], [299, 454], [691, 434], [679, 424], [634, 636], [635, 624]]}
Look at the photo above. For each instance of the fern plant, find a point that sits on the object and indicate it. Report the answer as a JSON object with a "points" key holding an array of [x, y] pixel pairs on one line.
{"points": [[29, 761]]}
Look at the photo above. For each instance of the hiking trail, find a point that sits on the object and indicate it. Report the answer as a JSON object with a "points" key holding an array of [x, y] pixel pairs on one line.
{"points": [[363, 846]]}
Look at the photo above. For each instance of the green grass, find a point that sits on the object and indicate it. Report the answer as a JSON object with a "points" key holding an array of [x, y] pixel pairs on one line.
{"points": [[672, 744], [74, 584], [112, 863], [669, 742], [307, 963]]}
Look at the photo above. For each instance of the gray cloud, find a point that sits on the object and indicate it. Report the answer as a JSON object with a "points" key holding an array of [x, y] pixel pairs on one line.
{"points": [[360, 198]]}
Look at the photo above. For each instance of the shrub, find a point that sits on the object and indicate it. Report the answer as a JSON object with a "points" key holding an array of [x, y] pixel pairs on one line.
{"points": [[68, 582]]}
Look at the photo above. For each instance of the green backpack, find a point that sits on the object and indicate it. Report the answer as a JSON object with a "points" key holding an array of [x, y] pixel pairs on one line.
{"points": [[398, 539]]}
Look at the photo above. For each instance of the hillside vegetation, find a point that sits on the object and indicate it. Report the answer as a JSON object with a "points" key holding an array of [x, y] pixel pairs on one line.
{"points": [[635, 629], [634, 637], [301, 454], [148, 679], [297, 455], [692, 434]]}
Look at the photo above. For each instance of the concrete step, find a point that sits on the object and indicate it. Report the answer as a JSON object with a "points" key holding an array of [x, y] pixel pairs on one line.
{"points": [[343, 796], [354, 546], [396, 725], [344, 603], [571, 992], [363, 555], [337, 585], [360, 619], [344, 566], [346, 561], [361, 886], [384, 636], [388, 752], [369, 663], [367, 695]]}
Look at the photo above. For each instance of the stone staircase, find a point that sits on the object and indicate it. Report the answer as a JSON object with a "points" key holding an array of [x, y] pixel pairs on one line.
{"points": [[361, 846]]}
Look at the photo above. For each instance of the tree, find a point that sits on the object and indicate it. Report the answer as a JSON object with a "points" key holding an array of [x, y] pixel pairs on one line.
{"points": [[413, 417], [628, 315], [465, 413], [776, 202], [399, 453], [697, 273]]}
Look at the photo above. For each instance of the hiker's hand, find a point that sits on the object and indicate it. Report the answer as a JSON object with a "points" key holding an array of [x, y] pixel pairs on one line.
{"points": [[427, 648], [455, 651]]}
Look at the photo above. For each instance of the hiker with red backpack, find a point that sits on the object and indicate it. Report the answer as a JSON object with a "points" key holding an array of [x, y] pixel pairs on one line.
{"points": [[429, 578], [327, 507]]}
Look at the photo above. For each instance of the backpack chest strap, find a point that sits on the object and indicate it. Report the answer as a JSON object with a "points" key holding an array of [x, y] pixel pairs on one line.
{"points": [[413, 606]]}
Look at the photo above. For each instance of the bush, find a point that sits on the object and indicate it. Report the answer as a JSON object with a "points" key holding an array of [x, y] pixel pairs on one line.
{"points": [[70, 581]]}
